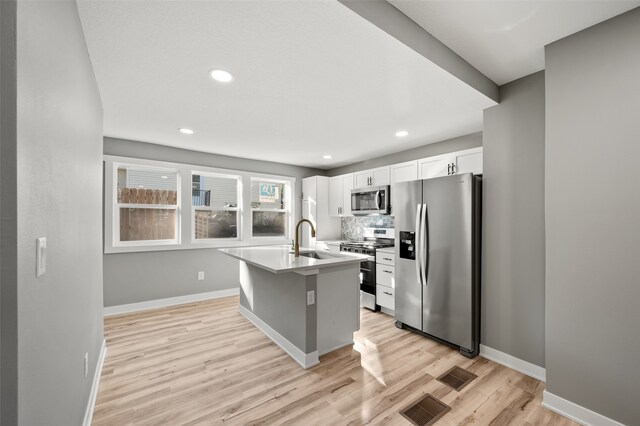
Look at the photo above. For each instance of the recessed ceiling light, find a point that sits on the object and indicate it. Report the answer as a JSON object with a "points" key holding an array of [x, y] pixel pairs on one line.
{"points": [[164, 177], [221, 76], [326, 157], [186, 131], [402, 133]]}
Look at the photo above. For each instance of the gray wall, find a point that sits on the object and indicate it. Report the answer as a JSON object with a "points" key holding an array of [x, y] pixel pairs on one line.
{"points": [[139, 277], [8, 213], [592, 217], [513, 263], [58, 153], [472, 140]]}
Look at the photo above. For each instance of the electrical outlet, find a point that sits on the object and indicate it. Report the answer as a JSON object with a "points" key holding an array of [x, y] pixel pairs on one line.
{"points": [[86, 364], [200, 275], [311, 297]]}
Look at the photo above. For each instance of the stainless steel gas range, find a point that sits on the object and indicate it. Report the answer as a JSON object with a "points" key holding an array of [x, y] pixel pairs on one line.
{"points": [[374, 238]]}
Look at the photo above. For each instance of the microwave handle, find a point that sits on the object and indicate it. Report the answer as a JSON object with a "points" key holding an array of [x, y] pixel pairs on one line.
{"points": [[378, 200]]}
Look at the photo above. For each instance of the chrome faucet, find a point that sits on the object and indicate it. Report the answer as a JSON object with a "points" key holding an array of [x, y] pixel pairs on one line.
{"points": [[296, 246]]}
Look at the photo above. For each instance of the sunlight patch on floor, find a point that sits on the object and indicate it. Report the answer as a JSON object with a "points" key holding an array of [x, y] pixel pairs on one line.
{"points": [[371, 362]]}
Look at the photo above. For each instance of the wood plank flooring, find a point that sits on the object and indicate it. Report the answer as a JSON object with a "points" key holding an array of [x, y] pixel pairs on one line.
{"points": [[204, 364]]}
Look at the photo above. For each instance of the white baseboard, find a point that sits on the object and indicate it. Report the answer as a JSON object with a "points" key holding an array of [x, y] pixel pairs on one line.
{"points": [[513, 363], [91, 404], [305, 360], [575, 412], [170, 301]]}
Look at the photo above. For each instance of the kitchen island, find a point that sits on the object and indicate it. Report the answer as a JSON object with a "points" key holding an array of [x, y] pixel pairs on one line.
{"points": [[308, 305]]}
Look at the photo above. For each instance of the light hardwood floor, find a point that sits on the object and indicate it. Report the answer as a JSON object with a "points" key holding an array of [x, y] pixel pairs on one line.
{"points": [[203, 363]]}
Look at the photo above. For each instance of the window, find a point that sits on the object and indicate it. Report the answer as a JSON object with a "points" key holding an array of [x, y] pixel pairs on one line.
{"points": [[147, 205], [269, 208], [215, 206], [155, 205]]}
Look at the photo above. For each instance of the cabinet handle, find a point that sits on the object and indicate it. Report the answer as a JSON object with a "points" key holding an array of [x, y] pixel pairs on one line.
{"points": [[453, 168], [388, 272], [387, 293], [448, 169], [386, 258]]}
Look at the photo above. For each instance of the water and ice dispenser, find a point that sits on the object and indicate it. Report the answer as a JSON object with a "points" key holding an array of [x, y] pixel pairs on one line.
{"points": [[408, 245]]}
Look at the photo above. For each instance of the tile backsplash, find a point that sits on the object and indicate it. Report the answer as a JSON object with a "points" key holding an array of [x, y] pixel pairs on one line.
{"points": [[352, 226]]}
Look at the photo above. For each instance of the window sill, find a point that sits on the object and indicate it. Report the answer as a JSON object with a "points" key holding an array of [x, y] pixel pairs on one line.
{"points": [[199, 245]]}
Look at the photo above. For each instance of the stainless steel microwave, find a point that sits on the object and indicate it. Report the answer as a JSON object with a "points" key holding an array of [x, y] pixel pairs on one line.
{"points": [[370, 200]]}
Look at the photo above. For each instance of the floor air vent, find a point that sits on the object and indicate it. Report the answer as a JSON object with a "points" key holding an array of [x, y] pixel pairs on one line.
{"points": [[457, 378], [425, 412]]}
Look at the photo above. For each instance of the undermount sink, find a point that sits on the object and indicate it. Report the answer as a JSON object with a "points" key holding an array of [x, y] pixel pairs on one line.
{"points": [[318, 255], [311, 254]]}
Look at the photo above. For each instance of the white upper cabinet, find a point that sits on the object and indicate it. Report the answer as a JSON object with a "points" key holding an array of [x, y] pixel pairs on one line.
{"points": [[362, 179], [347, 186], [309, 188], [404, 172], [340, 195], [437, 166], [468, 161], [381, 176], [373, 177], [336, 197]]}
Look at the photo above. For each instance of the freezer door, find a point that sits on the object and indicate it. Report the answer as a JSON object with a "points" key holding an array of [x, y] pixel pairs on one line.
{"points": [[447, 295], [408, 290]]}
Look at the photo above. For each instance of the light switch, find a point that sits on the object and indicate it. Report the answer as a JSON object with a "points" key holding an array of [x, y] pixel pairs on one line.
{"points": [[311, 297], [41, 256]]}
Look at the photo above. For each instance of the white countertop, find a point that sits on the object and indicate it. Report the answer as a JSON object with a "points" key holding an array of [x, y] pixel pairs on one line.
{"points": [[279, 259]]}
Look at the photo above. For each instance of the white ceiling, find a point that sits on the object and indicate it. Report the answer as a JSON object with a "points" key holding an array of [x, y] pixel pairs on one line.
{"points": [[505, 39], [311, 78]]}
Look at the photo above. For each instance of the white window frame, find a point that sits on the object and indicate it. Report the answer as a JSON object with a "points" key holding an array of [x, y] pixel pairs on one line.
{"points": [[186, 216], [288, 202], [237, 209], [115, 232]]}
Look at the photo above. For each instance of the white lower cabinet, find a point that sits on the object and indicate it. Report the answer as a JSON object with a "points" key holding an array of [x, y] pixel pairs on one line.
{"points": [[385, 297], [384, 275], [385, 279]]}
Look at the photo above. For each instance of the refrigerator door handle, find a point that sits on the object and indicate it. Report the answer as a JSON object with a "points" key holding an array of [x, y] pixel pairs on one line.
{"points": [[418, 244], [423, 246]]}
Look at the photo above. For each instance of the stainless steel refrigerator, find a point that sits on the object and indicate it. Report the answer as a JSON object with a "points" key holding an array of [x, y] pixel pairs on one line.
{"points": [[437, 275]]}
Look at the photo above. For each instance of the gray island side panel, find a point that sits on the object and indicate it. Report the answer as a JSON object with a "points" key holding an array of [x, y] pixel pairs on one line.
{"points": [[281, 302], [338, 300]]}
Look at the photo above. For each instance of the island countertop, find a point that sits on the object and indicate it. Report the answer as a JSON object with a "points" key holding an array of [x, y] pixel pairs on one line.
{"points": [[280, 259]]}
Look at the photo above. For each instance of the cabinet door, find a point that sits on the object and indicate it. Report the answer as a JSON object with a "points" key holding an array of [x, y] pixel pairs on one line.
{"points": [[404, 172], [381, 176], [385, 297], [347, 186], [336, 197], [363, 179], [469, 161], [434, 166], [309, 188]]}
